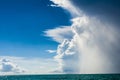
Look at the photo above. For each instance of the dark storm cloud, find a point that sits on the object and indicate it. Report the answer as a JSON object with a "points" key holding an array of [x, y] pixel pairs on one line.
{"points": [[108, 10]]}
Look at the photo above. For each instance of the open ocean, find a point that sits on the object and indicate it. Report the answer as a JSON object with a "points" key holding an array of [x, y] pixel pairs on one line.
{"points": [[63, 77]]}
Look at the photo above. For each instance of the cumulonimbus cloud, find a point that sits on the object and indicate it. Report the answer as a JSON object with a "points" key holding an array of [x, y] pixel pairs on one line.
{"points": [[92, 49]]}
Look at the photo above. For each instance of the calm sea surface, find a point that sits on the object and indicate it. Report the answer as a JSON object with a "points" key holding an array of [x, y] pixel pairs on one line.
{"points": [[64, 77]]}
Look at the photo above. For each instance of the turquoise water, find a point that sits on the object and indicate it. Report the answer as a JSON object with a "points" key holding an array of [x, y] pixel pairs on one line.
{"points": [[64, 77]]}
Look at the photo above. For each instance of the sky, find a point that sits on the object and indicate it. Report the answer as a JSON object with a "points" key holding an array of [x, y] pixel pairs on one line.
{"points": [[22, 25], [48, 36]]}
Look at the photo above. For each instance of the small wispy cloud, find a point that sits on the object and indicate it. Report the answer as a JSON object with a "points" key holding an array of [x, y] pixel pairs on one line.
{"points": [[52, 5], [51, 51]]}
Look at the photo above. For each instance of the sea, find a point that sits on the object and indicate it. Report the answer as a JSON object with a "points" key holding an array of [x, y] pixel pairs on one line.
{"points": [[63, 77]]}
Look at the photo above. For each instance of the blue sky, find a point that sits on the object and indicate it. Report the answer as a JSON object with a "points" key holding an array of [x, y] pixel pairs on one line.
{"points": [[22, 23], [59, 36]]}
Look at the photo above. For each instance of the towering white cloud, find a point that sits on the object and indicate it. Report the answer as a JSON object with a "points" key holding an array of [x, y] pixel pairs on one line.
{"points": [[68, 57], [93, 47]]}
